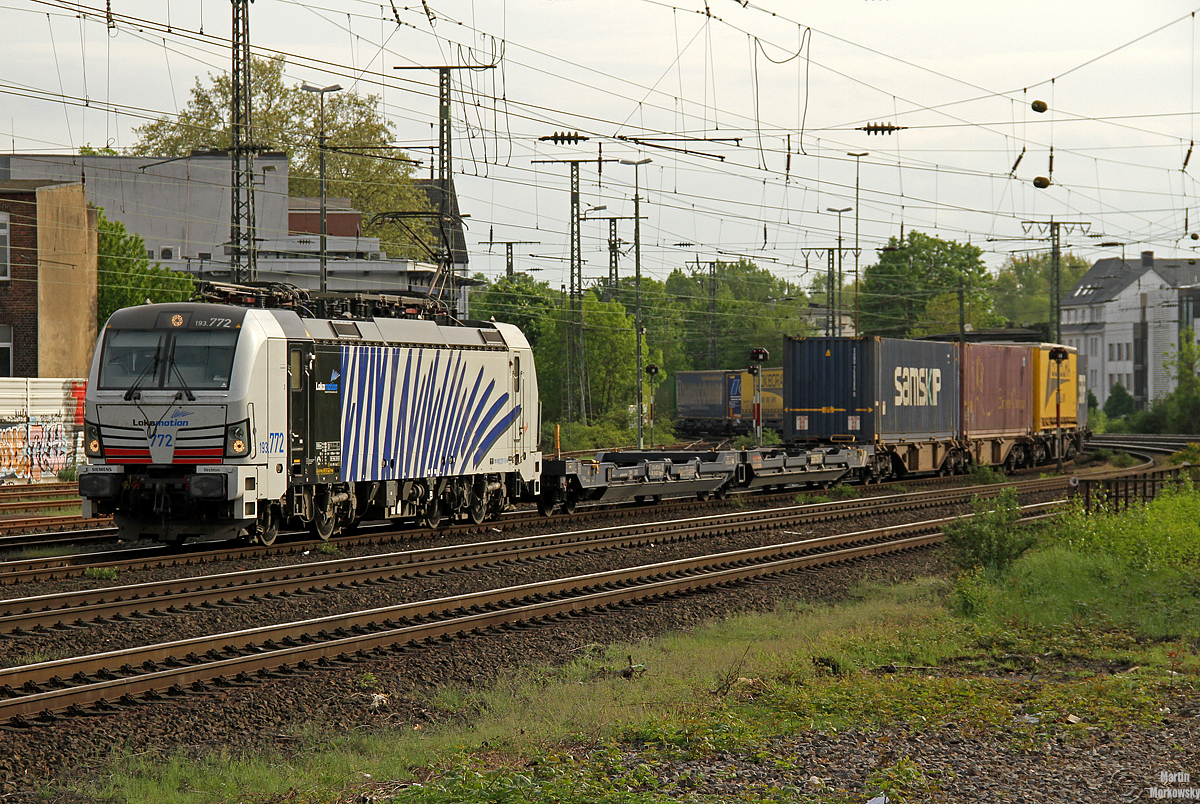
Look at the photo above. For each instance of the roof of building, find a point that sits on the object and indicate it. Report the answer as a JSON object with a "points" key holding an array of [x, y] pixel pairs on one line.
{"points": [[30, 185], [1105, 280]]}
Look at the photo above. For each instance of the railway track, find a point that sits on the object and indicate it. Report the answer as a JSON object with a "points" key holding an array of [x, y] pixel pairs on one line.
{"points": [[160, 598], [48, 691], [161, 557], [1156, 444], [82, 686]]}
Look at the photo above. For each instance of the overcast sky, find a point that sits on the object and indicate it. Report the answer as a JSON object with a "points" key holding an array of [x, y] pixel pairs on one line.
{"points": [[718, 98]]}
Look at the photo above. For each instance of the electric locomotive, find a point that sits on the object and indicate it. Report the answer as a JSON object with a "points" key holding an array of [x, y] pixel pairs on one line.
{"points": [[208, 421]]}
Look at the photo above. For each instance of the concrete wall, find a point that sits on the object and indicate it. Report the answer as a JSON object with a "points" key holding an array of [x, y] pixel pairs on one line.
{"points": [[40, 426], [66, 282], [181, 204]]}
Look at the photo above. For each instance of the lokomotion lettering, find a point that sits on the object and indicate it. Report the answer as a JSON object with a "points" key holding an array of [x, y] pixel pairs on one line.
{"points": [[917, 387]]}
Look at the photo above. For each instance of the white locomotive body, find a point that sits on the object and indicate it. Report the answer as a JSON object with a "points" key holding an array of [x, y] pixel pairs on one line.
{"points": [[210, 421]]}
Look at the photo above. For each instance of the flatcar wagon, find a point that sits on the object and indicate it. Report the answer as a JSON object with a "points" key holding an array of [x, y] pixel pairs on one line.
{"points": [[928, 406]]}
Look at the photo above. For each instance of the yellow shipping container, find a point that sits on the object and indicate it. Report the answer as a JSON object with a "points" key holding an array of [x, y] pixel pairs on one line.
{"points": [[772, 394], [1055, 384]]}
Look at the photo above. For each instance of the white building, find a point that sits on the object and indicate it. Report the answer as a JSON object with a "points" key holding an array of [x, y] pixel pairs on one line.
{"points": [[1127, 318], [180, 207]]}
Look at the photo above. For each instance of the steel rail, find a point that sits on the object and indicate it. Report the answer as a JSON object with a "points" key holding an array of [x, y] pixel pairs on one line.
{"points": [[173, 667], [81, 608]]}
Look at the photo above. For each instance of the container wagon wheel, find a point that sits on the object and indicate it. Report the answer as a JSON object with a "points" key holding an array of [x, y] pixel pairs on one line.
{"points": [[569, 504], [545, 504]]}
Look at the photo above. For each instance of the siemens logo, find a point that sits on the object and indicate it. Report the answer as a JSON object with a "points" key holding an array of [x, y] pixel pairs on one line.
{"points": [[161, 423], [917, 386]]}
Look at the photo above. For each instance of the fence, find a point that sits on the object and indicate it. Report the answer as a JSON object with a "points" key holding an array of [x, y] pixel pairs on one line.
{"points": [[41, 426], [1115, 493]]}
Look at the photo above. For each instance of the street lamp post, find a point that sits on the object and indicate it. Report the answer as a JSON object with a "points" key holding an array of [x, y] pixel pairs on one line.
{"points": [[838, 311], [320, 91], [857, 164], [637, 283]]}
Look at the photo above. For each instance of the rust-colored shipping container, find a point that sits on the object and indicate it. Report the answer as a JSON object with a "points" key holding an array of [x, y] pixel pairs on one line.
{"points": [[997, 390]]}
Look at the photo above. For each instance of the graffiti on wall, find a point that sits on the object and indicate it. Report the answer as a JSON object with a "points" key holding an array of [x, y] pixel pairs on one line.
{"points": [[36, 451]]}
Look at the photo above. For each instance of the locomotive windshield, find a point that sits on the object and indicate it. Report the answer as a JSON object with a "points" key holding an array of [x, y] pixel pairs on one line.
{"points": [[180, 360]]}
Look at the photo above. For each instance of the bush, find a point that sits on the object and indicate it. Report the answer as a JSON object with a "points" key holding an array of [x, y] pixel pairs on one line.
{"points": [[990, 539], [973, 594], [1149, 537], [68, 474], [984, 475], [1123, 460]]}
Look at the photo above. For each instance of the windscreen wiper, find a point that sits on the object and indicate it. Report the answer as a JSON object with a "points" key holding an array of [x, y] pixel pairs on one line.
{"points": [[178, 373], [134, 392]]}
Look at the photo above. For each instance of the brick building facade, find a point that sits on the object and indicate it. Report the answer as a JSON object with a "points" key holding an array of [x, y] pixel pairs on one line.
{"points": [[48, 242]]}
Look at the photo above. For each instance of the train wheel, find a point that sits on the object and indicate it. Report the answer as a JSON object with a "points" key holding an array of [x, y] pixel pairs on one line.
{"points": [[569, 505], [545, 505], [269, 532], [432, 516], [324, 523], [477, 508]]}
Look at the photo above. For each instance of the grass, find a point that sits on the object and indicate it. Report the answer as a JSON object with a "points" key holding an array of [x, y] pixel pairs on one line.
{"points": [[1091, 629], [101, 573]]}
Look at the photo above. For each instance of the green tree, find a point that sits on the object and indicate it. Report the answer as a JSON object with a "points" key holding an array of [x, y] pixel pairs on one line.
{"points": [[520, 300], [360, 163], [1184, 411], [753, 309], [897, 290], [126, 277], [1022, 288], [610, 361], [1119, 402]]}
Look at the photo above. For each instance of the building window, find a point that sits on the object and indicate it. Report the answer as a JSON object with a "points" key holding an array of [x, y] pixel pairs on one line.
{"points": [[1110, 352], [1128, 381], [1112, 380], [4, 272], [6, 349], [1129, 351]]}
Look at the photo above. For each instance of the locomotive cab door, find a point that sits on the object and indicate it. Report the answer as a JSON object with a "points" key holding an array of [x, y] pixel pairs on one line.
{"points": [[300, 361], [518, 428]]}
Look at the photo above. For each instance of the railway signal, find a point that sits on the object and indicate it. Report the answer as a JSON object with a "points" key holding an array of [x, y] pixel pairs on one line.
{"points": [[652, 372], [757, 358]]}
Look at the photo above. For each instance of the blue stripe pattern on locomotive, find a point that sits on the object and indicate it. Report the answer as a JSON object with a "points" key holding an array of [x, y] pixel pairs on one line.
{"points": [[435, 428]]}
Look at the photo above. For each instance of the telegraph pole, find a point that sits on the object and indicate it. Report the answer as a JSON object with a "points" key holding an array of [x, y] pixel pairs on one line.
{"points": [[445, 165], [509, 268], [1053, 229], [242, 258], [576, 371], [614, 253]]}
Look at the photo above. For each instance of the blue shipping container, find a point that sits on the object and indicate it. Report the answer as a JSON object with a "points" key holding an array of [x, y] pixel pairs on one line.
{"points": [[867, 390]]}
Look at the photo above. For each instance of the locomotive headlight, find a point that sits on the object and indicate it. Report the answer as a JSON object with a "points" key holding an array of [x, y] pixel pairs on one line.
{"points": [[237, 441], [91, 440]]}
